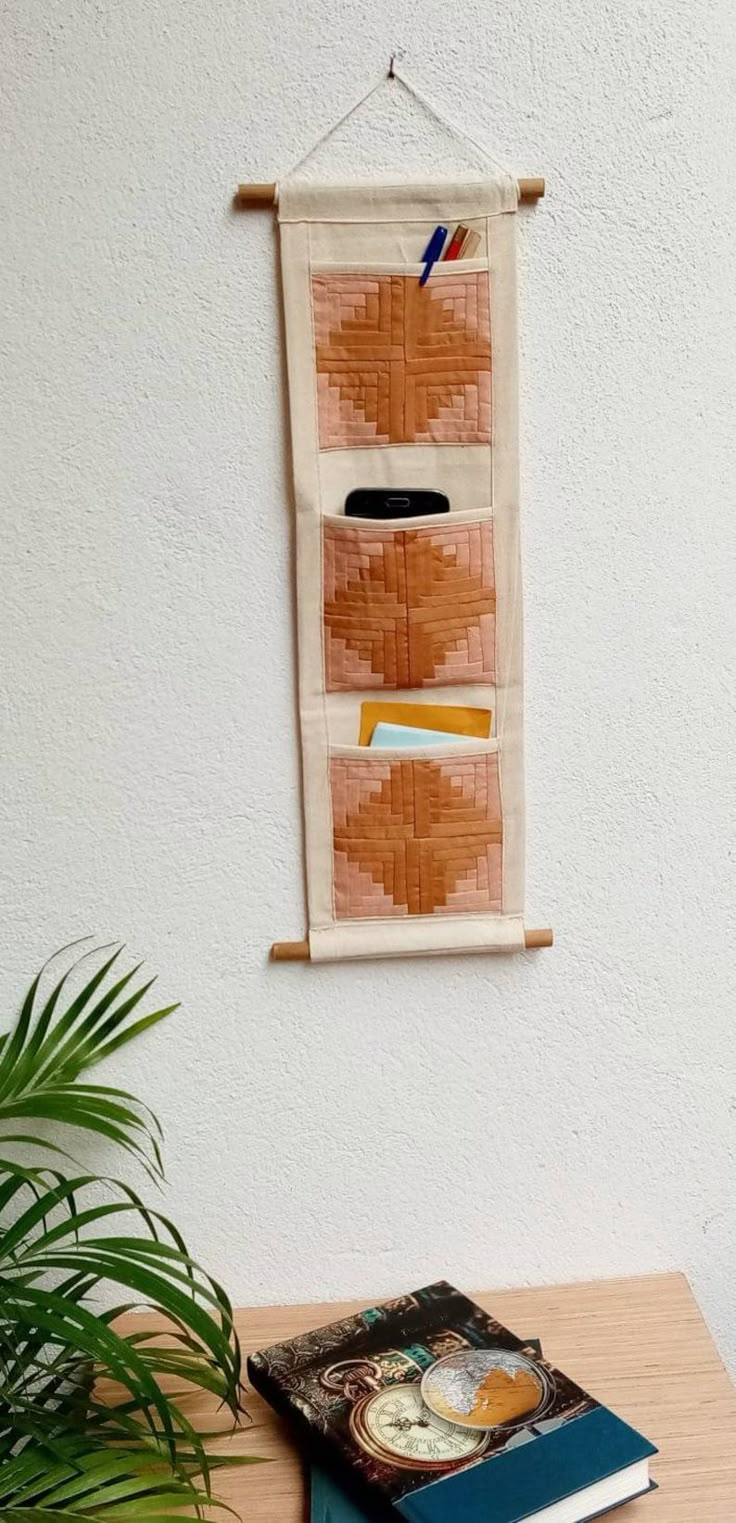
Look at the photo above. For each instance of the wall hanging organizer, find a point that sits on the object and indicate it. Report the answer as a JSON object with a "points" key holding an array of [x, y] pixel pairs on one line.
{"points": [[409, 627]]}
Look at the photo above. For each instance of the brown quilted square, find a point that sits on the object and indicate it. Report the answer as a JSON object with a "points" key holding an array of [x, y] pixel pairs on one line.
{"points": [[417, 837], [400, 363], [409, 607]]}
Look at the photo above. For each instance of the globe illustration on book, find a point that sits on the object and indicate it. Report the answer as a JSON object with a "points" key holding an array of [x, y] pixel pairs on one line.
{"points": [[487, 1388]]}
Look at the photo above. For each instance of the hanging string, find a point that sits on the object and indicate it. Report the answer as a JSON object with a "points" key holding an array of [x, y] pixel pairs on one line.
{"points": [[422, 100], [338, 124], [451, 127]]}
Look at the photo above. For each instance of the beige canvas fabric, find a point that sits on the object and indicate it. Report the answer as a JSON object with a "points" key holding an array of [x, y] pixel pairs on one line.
{"points": [[335, 241]]}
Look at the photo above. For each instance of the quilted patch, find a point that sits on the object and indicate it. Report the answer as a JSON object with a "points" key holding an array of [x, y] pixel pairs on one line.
{"points": [[410, 607], [400, 363], [416, 837]]}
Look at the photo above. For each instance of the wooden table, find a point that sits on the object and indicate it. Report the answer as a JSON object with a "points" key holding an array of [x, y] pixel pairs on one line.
{"points": [[640, 1345]]}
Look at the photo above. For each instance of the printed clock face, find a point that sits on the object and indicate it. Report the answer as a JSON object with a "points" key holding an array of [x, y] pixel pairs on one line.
{"points": [[396, 1426]]}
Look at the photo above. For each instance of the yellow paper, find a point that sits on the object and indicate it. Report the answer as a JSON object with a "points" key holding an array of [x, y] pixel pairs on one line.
{"points": [[425, 716]]}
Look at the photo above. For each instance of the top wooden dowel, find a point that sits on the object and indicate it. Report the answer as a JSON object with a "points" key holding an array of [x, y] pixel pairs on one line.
{"points": [[266, 195]]}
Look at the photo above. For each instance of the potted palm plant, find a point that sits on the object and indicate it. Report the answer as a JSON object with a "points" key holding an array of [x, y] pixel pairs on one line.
{"points": [[69, 1241]]}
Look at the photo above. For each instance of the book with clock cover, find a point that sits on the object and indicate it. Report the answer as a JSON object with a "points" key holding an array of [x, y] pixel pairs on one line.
{"points": [[501, 1437], [329, 1502]]}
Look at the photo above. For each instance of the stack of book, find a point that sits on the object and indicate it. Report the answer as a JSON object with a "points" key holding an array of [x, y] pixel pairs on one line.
{"points": [[427, 1409]]}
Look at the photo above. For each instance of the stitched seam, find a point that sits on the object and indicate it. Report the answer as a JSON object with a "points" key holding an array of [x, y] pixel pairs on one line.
{"points": [[346, 221], [407, 622], [323, 668]]}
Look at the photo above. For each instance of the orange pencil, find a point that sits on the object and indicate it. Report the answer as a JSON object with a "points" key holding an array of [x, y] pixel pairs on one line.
{"points": [[456, 242]]}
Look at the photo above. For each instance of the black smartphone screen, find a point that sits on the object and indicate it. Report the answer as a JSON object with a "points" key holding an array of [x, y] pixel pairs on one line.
{"points": [[383, 502]]}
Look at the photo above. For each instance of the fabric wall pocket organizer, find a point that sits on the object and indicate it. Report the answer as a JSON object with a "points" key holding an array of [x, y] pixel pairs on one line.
{"points": [[395, 385]]}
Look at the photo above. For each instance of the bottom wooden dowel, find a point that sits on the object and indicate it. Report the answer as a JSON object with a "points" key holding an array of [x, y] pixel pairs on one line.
{"points": [[543, 937], [290, 951], [298, 951]]}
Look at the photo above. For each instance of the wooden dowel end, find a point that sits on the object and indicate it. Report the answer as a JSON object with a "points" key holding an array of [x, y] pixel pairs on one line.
{"points": [[530, 189], [298, 951], [544, 937], [290, 951], [255, 195]]}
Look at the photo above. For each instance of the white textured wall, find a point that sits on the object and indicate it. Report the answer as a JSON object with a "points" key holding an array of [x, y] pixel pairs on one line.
{"points": [[358, 1129]]}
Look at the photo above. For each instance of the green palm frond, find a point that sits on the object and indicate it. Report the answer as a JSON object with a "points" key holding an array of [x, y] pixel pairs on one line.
{"points": [[66, 1238], [80, 1479], [42, 1058]]}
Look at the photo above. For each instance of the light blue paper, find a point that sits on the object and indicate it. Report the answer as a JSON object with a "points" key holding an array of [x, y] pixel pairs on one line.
{"points": [[406, 735]]}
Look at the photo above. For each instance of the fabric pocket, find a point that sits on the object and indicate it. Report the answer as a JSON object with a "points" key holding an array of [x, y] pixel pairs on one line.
{"points": [[402, 363], [416, 833], [408, 607]]}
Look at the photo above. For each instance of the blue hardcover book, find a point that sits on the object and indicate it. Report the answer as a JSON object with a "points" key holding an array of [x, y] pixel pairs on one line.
{"points": [[329, 1503], [427, 1409]]}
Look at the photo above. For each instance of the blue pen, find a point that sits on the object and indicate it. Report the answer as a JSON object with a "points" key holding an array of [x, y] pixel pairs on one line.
{"points": [[432, 253]]}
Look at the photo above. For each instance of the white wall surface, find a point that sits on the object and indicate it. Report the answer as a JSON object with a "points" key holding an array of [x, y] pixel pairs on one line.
{"points": [[343, 1130]]}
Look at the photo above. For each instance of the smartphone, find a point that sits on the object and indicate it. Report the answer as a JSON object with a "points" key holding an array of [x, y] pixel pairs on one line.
{"points": [[385, 502]]}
